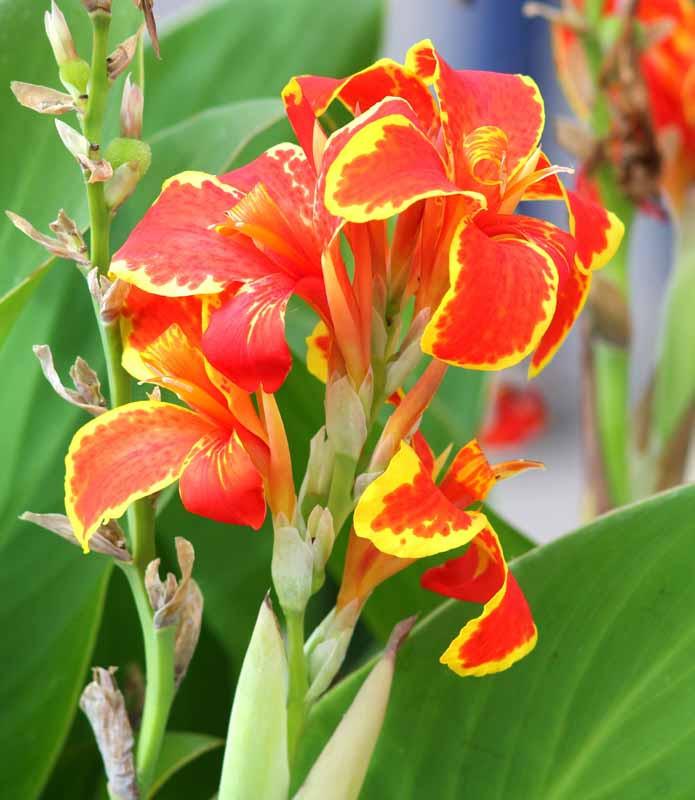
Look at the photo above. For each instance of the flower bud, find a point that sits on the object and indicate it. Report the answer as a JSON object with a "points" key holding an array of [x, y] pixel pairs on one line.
{"points": [[104, 707], [59, 35], [74, 75], [87, 392], [42, 99], [321, 535], [132, 105], [292, 568], [256, 765], [408, 356], [340, 770], [319, 470], [327, 646], [130, 159], [346, 423], [83, 152]]}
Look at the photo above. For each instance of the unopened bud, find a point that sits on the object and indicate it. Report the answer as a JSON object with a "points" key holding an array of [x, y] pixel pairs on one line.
{"points": [[130, 158], [121, 57], [97, 5], [326, 647], [108, 295], [321, 535], [292, 568], [59, 35], [319, 470], [104, 706], [74, 75], [83, 152], [132, 105], [87, 392], [341, 767], [408, 356], [68, 242], [42, 99], [346, 423], [108, 540]]}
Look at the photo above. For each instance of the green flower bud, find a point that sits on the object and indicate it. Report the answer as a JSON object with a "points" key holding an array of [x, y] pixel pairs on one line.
{"points": [[74, 75], [122, 151]]}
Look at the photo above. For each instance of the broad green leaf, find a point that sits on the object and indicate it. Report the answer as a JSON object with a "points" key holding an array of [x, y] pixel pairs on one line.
{"points": [[178, 750], [601, 710]]}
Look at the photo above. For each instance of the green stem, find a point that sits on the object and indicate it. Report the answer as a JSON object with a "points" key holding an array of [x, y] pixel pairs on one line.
{"points": [[298, 681], [158, 644]]}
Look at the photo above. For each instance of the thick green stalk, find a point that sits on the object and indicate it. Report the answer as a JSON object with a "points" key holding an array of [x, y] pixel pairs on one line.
{"points": [[612, 363], [158, 644], [298, 681]]}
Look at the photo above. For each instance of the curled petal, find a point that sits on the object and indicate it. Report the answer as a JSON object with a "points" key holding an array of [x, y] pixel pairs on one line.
{"points": [[318, 345], [504, 632], [220, 482], [245, 339], [176, 251], [403, 513], [381, 163], [500, 301], [125, 454]]}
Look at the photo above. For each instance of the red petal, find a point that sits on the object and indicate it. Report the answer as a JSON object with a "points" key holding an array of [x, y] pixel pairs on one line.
{"points": [[175, 250], [519, 414], [500, 301], [245, 339], [220, 482]]}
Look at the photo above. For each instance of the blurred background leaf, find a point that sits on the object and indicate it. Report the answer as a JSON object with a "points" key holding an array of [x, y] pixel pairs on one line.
{"points": [[602, 709]]}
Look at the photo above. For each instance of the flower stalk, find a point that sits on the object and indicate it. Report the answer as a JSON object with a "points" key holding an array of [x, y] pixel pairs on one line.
{"points": [[158, 644]]}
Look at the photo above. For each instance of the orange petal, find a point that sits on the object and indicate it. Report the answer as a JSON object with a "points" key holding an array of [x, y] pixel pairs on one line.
{"points": [[220, 482], [318, 345], [597, 231], [404, 514], [504, 632], [470, 477], [175, 250], [500, 301], [125, 454], [381, 163], [245, 339], [469, 99]]}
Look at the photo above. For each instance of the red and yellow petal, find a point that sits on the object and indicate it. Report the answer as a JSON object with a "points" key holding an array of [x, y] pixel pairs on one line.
{"points": [[404, 514], [381, 163], [597, 231], [500, 302], [220, 482], [245, 339], [176, 251], [125, 454], [318, 346], [470, 99], [504, 632]]}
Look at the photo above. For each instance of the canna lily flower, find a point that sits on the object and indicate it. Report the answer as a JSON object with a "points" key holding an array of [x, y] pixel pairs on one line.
{"points": [[667, 64], [404, 515], [455, 171], [247, 241], [226, 458]]}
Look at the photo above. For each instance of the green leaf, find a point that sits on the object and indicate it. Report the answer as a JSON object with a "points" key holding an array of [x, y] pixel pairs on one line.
{"points": [[242, 50], [603, 708], [178, 750]]}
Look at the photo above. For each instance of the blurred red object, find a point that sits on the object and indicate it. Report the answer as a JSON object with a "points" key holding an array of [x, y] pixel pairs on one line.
{"points": [[519, 414]]}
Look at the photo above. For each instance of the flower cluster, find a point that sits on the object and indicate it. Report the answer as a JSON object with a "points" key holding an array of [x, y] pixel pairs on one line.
{"points": [[400, 230]]}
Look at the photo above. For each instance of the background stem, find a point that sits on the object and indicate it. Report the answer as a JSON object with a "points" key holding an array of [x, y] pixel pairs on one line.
{"points": [[298, 681]]}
